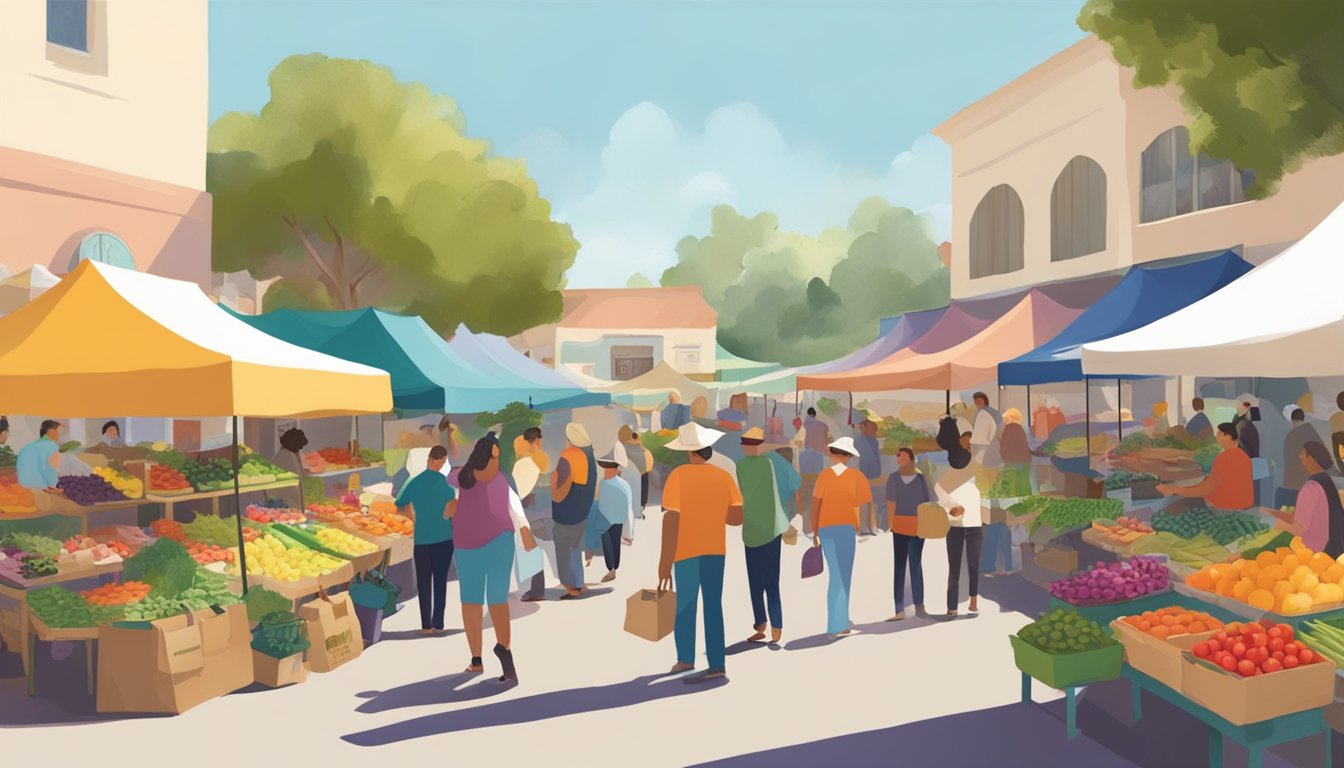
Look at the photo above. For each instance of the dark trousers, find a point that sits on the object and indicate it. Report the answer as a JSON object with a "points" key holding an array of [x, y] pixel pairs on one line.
{"points": [[763, 583], [643, 492], [908, 550], [431, 580], [611, 546], [972, 540]]}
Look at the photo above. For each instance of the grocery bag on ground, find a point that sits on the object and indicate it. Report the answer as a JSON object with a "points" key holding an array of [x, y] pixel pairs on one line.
{"points": [[932, 521], [813, 562], [650, 614], [373, 590], [333, 630]]}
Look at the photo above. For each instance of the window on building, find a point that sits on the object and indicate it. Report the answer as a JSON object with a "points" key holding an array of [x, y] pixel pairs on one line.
{"points": [[105, 247], [68, 24], [996, 233], [1078, 210], [1174, 182]]}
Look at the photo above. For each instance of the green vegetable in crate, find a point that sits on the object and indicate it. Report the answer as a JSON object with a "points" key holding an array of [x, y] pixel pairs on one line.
{"points": [[1064, 631], [1325, 636], [165, 565], [59, 607], [1013, 482], [1118, 481], [1222, 527], [208, 589], [153, 608], [280, 634], [37, 566], [212, 529], [34, 543], [1194, 553], [1066, 514], [261, 601], [7, 456]]}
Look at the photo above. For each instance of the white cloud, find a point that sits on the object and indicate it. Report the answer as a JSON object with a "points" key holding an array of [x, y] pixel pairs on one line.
{"points": [[655, 183]]}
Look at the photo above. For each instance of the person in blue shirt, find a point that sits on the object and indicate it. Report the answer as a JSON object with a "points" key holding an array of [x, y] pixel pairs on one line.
{"points": [[614, 497], [870, 464], [425, 499], [676, 414], [38, 461]]}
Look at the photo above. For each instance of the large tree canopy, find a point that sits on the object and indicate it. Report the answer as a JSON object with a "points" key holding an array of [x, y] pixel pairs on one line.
{"points": [[787, 297], [356, 190], [1262, 80]]}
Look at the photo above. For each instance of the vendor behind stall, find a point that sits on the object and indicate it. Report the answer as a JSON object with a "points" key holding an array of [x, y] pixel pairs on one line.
{"points": [[1228, 485], [38, 461], [112, 435], [1319, 515]]}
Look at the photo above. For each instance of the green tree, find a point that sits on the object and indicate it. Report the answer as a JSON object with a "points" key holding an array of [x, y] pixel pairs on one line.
{"points": [[355, 189], [1261, 80], [798, 299]]}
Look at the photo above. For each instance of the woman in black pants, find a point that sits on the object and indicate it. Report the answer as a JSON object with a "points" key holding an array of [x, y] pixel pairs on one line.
{"points": [[958, 494]]}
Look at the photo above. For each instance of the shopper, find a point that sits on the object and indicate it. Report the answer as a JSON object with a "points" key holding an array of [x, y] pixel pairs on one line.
{"points": [[840, 493], [531, 482], [614, 505], [959, 496], [1319, 515], [1248, 435], [573, 490], [766, 481], [870, 464], [425, 499], [37, 462], [641, 460], [1199, 425], [485, 516], [699, 502], [907, 488]]}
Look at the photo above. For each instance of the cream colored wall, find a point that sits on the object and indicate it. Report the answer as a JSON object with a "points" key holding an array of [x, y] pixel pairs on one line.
{"points": [[137, 104], [699, 338]]}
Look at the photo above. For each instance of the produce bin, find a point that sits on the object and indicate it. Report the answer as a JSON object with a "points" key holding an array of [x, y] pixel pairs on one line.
{"points": [[275, 673], [1069, 669], [1158, 659], [1244, 700]]}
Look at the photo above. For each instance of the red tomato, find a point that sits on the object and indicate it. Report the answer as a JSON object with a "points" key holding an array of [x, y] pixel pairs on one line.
{"points": [[1278, 656], [1306, 655], [1275, 632], [1248, 630], [1221, 637], [1275, 643], [1239, 650], [1271, 665], [1291, 649], [1215, 645], [1290, 661], [1245, 668], [1286, 630], [1260, 640], [1230, 663], [1202, 650]]}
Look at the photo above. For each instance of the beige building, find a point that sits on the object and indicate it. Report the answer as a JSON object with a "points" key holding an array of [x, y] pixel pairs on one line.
{"points": [[1069, 171], [102, 143], [617, 334]]}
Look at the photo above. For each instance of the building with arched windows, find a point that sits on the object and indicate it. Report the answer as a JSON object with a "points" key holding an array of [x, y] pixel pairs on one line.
{"points": [[102, 143], [1069, 172]]}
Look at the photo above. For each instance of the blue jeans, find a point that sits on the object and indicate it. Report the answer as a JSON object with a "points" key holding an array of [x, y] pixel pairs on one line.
{"points": [[701, 576], [569, 553], [908, 549], [763, 583], [837, 546], [998, 541]]}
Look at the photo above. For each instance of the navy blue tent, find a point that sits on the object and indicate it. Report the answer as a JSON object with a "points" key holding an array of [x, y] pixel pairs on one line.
{"points": [[1144, 295]]}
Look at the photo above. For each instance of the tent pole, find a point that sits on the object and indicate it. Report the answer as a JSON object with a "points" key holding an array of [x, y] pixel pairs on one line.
{"points": [[1028, 408], [1119, 408], [238, 509], [1087, 408], [948, 398]]}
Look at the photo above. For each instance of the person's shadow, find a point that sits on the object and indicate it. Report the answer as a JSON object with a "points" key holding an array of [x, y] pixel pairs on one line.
{"points": [[439, 690], [542, 706]]}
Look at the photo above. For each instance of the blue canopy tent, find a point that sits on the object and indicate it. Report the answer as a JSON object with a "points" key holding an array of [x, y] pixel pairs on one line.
{"points": [[548, 389]]}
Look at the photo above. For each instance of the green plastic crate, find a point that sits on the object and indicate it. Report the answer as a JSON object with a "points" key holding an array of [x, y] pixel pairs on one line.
{"points": [[1068, 669]]}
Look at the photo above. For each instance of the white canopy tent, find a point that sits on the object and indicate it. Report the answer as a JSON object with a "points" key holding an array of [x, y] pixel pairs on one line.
{"points": [[1283, 319]]}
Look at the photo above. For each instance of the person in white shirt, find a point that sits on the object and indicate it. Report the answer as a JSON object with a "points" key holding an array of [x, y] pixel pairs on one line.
{"points": [[985, 434], [529, 467], [958, 494]]}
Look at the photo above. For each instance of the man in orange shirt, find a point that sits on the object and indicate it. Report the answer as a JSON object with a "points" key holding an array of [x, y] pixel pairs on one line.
{"points": [[840, 492], [699, 502], [1228, 485]]}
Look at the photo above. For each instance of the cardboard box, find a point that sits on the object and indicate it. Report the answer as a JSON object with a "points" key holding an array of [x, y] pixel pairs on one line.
{"points": [[173, 664], [333, 628], [1158, 659], [651, 615], [275, 673], [1244, 700]]}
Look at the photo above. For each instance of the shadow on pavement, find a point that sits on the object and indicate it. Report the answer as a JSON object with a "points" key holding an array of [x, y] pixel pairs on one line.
{"points": [[1014, 593], [414, 634], [439, 690], [543, 706]]}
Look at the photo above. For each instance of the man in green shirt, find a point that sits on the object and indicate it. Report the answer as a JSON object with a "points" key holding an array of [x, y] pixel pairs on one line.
{"points": [[425, 499], [765, 485]]}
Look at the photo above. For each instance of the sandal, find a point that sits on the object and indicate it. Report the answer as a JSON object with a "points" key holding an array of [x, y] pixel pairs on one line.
{"points": [[506, 661], [476, 666]]}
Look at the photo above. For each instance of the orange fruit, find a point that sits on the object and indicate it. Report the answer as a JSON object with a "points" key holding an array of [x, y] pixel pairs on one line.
{"points": [[1144, 625], [1266, 581], [1160, 632], [1240, 591], [1291, 562], [1266, 559], [1225, 587], [1204, 581], [1196, 627], [1262, 599]]}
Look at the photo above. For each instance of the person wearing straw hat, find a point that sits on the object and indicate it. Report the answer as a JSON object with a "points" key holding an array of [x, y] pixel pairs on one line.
{"points": [[613, 509], [840, 493], [699, 501], [766, 481], [573, 490]]}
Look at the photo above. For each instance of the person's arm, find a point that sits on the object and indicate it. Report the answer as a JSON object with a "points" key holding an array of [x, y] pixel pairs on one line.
{"points": [[735, 504], [671, 517], [947, 502], [891, 515], [520, 523], [816, 520], [1198, 490], [562, 479]]}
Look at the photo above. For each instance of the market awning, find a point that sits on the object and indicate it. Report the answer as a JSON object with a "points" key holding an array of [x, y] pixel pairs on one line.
{"points": [[896, 334], [547, 388], [730, 367], [108, 340], [1283, 319], [1144, 295], [652, 387], [1033, 319], [780, 382]]}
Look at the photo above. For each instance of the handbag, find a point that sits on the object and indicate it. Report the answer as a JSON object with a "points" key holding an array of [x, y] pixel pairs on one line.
{"points": [[373, 590], [527, 564], [813, 562]]}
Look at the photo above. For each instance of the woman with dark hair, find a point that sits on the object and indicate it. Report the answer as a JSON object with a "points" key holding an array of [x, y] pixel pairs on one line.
{"points": [[1319, 515], [959, 496], [485, 516], [4, 430], [112, 435]]}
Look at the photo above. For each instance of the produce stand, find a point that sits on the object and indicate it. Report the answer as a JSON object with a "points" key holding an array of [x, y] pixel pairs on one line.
{"points": [[1105, 614], [1070, 673], [1255, 737], [28, 624], [62, 507], [38, 630], [376, 466], [169, 501], [1244, 612], [295, 591]]}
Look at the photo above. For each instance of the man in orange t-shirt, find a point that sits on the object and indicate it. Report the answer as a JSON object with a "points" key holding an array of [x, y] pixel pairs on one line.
{"points": [[840, 491], [699, 502], [1228, 485]]}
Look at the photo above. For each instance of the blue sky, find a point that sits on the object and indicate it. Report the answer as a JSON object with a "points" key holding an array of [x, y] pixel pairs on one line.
{"points": [[637, 117]]}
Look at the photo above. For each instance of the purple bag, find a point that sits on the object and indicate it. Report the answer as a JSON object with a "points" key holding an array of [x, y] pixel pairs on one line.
{"points": [[813, 563]]}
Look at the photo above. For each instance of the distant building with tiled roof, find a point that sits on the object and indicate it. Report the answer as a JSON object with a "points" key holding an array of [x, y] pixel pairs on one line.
{"points": [[619, 333]]}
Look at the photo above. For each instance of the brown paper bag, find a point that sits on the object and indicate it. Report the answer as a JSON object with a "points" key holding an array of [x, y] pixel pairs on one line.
{"points": [[333, 629], [156, 668], [650, 614], [226, 642], [933, 522]]}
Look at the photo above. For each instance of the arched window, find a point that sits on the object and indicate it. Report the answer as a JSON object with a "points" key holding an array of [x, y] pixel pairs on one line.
{"points": [[105, 247], [1078, 210], [1174, 182], [996, 233]]}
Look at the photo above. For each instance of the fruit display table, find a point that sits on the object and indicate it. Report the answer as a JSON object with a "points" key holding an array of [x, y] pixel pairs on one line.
{"points": [[1239, 611], [169, 502], [29, 624], [375, 467], [1255, 737], [1105, 614], [49, 505]]}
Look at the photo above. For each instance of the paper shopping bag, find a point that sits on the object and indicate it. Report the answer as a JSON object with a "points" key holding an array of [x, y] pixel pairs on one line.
{"points": [[933, 522], [333, 629], [527, 564], [650, 614]]}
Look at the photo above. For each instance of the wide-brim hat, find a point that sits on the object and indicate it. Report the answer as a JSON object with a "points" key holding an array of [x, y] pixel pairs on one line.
{"points": [[845, 444], [577, 435], [753, 436], [693, 437], [616, 457]]}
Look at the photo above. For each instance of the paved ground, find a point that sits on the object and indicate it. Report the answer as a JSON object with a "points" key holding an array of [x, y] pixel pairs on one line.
{"points": [[918, 693]]}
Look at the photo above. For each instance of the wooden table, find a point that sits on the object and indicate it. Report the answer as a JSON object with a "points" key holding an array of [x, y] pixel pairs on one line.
{"points": [[169, 502], [347, 470], [59, 506], [27, 621], [38, 630]]}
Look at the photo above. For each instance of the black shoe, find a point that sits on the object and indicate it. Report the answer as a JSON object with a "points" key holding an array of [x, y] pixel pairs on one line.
{"points": [[506, 661], [920, 613]]}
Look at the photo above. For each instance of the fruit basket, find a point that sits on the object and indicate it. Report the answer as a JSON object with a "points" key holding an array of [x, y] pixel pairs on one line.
{"points": [[1064, 670]]}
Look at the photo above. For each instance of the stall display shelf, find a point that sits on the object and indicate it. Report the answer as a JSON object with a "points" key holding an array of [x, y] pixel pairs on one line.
{"points": [[38, 630], [1244, 612], [26, 626], [346, 470], [170, 501]]}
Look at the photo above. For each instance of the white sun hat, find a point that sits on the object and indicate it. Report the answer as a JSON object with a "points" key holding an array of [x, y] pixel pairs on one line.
{"points": [[693, 437], [845, 444]]}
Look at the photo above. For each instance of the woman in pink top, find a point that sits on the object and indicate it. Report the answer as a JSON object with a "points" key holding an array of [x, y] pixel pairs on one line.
{"points": [[1319, 515]]}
